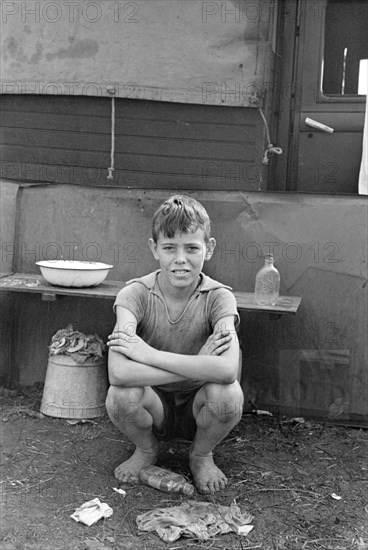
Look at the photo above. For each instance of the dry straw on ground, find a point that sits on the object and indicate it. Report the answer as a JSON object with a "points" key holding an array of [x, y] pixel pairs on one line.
{"points": [[288, 474]]}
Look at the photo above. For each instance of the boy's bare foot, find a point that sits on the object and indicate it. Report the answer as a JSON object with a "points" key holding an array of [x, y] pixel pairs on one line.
{"points": [[208, 478], [128, 471]]}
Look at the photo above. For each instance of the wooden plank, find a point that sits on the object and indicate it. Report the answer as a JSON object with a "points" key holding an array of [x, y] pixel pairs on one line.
{"points": [[131, 126], [216, 175], [284, 304], [57, 105], [95, 142], [137, 109], [30, 283], [172, 164]]}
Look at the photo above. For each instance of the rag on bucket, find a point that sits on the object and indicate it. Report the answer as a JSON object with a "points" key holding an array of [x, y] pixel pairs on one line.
{"points": [[200, 519]]}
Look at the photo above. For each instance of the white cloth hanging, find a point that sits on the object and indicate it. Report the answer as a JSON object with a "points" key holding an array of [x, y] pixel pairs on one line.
{"points": [[363, 175]]}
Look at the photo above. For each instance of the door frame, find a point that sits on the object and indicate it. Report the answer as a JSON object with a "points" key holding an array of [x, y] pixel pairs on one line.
{"points": [[282, 171], [299, 86]]}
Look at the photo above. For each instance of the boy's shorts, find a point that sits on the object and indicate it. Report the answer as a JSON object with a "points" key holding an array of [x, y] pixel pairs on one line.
{"points": [[179, 422]]}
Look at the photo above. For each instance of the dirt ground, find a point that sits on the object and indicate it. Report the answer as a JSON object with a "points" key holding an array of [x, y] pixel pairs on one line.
{"points": [[304, 483]]}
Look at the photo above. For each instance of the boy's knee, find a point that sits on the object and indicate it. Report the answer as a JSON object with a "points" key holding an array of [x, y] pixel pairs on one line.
{"points": [[224, 393], [122, 401], [224, 401]]}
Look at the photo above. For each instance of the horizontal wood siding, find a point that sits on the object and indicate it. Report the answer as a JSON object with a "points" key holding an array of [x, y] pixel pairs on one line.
{"points": [[157, 145]]}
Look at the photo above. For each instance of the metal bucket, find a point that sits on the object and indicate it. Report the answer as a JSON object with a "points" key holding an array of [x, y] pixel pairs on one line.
{"points": [[74, 390]]}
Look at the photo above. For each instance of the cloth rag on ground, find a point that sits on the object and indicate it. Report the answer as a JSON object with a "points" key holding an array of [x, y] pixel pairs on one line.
{"points": [[92, 511], [203, 520]]}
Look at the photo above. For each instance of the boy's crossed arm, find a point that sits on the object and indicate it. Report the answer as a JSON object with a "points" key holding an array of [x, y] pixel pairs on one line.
{"points": [[132, 362]]}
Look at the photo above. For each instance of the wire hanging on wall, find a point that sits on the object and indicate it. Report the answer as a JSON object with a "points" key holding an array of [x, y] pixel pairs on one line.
{"points": [[112, 154]]}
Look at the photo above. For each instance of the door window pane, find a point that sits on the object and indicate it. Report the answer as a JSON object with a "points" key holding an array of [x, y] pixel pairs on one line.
{"points": [[346, 48]]}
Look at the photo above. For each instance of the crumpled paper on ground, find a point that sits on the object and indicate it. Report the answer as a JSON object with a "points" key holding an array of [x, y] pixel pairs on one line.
{"points": [[203, 520], [92, 511]]}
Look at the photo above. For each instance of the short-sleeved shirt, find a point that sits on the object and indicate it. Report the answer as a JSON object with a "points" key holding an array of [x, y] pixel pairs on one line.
{"points": [[210, 302]]}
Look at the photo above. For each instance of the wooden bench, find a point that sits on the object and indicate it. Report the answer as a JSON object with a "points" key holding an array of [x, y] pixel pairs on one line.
{"points": [[36, 284]]}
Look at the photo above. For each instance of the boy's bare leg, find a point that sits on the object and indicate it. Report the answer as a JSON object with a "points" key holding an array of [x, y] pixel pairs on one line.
{"points": [[134, 411], [217, 409]]}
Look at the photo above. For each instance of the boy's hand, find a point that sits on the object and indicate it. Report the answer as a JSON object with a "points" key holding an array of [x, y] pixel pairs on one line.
{"points": [[131, 345], [217, 343]]}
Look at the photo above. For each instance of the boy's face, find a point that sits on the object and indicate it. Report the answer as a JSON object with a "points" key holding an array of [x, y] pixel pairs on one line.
{"points": [[182, 257]]}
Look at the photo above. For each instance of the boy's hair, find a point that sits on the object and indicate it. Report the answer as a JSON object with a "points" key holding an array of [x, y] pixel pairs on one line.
{"points": [[180, 213]]}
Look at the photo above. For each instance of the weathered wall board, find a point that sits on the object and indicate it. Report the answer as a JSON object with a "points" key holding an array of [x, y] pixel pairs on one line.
{"points": [[160, 145], [214, 53]]}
